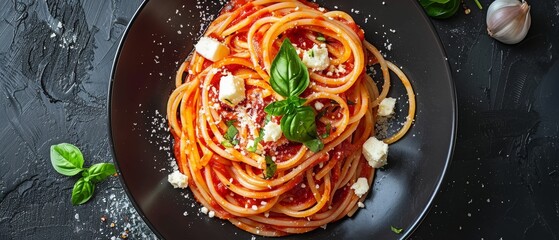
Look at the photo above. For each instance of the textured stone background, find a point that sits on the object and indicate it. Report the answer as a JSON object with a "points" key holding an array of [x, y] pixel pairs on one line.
{"points": [[55, 62]]}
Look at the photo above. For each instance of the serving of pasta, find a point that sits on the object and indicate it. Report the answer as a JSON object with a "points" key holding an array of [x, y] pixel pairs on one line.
{"points": [[274, 113]]}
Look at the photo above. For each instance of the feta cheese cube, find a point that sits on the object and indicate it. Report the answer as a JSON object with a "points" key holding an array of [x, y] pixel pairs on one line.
{"points": [[231, 90], [272, 132], [316, 58], [386, 107], [360, 187], [204, 210], [211, 49], [376, 152], [178, 180]]}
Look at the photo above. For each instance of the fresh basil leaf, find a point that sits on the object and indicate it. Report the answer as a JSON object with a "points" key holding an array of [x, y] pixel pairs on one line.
{"points": [[327, 131], [321, 38], [296, 101], [284, 106], [314, 145], [440, 8], [230, 123], [270, 167], [288, 75], [277, 108], [227, 144], [396, 230], [66, 159], [231, 133], [99, 172], [257, 140], [82, 192], [299, 125]]}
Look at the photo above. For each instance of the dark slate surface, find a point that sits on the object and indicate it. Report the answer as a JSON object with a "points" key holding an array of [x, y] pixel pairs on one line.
{"points": [[55, 62]]}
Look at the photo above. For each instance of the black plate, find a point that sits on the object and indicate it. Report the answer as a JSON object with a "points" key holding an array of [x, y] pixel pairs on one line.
{"points": [[162, 35]]}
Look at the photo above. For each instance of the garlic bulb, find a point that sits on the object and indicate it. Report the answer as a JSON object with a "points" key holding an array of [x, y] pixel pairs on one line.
{"points": [[508, 20]]}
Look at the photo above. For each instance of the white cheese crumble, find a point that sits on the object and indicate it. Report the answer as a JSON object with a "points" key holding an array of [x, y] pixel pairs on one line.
{"points": [[204, 210], [211, 214], [316, 58], [318, 106], [386, 107], [360, 205], [360, 187], [211, 49], [272, 132], [376, 152], [231, 90], [178, 180]]}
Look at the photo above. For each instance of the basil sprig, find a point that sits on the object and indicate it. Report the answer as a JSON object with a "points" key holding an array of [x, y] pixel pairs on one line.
{"points": [[440, 8], [289, 77], [68, 160]]}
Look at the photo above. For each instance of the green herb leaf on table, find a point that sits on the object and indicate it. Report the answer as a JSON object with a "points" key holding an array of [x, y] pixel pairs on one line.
{"points": [[99, 172], [270, 167], [82, 192], [396, 230], [66, 159], [288, 74], [440, 8]]}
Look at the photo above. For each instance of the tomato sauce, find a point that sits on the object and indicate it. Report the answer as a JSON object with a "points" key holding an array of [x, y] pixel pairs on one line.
{"points": [[286, 151], [297, 36]]}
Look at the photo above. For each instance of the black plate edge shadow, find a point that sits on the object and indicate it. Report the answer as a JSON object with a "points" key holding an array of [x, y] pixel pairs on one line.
{"points": [[110, 127], [407, 232]]}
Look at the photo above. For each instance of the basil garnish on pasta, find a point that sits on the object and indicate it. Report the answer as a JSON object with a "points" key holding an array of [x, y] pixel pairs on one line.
{"points": [[289, 78]]}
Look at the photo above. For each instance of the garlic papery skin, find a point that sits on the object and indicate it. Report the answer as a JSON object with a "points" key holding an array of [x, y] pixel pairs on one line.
{"points": [[508, 20]]}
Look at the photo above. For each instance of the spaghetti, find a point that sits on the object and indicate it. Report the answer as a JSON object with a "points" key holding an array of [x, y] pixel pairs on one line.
{"points": [[279, 187]]}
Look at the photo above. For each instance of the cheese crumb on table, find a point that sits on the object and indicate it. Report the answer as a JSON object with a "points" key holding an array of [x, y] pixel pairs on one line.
{"points": [[231, 90], [386, 107], [211, 49], [376, 152], [360, 187], [178, 180], [204, 210]]}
